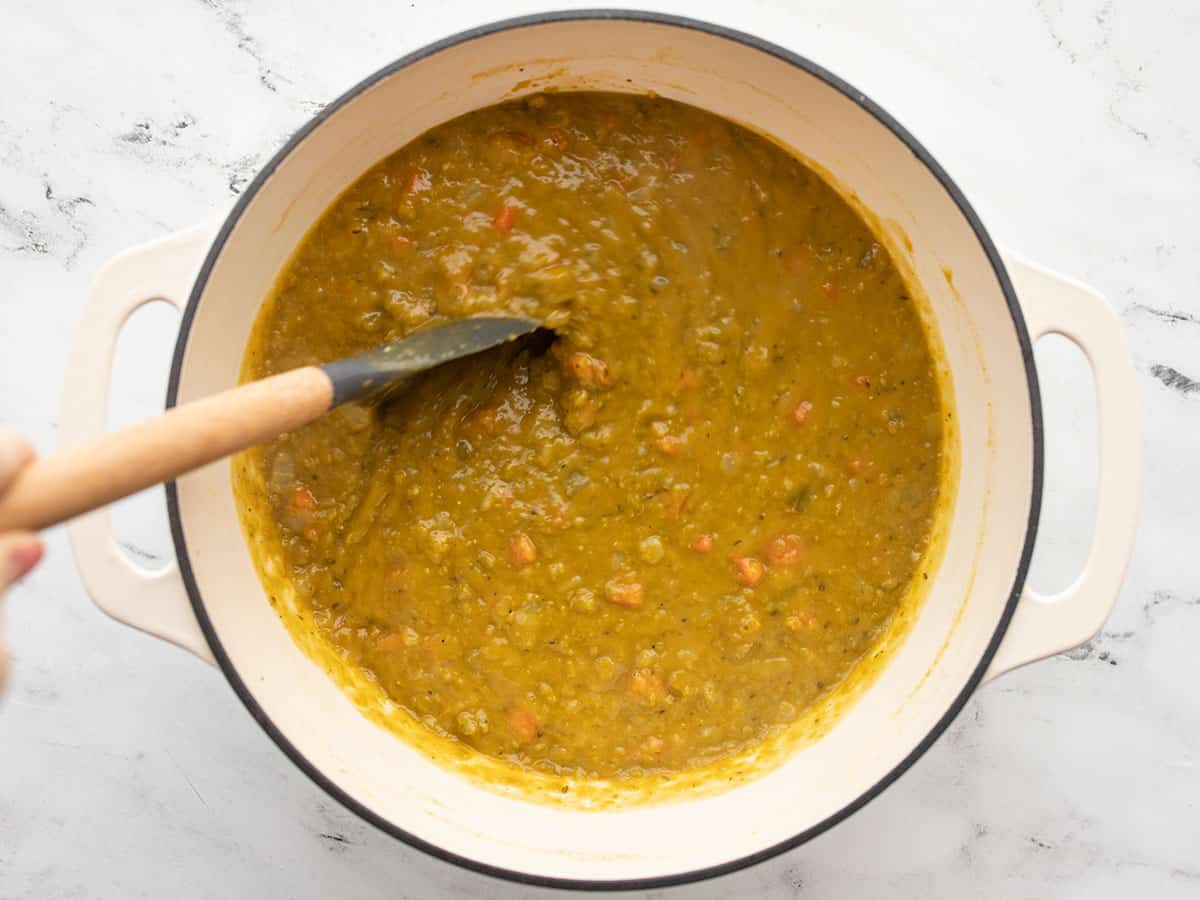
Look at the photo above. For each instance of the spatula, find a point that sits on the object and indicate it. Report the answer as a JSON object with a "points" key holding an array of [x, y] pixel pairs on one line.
{"points": [[90, 475]]}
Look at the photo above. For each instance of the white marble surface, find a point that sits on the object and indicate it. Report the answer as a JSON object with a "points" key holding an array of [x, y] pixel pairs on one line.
{"points": [[129, 769]]}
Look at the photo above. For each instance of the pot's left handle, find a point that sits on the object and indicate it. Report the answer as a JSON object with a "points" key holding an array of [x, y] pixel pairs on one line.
{"points": [[152, 601], [1045, 625]]}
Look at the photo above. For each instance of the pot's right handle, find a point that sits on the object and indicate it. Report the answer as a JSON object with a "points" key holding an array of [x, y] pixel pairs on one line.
{"points": [[1045, 625], [152, 601]]}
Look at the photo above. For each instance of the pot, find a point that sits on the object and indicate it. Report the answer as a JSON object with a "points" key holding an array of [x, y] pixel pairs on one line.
{"points": [[977, 622]]}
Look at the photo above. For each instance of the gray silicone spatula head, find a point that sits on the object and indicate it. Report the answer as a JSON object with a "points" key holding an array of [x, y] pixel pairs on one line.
{"points": [[357, 376]]}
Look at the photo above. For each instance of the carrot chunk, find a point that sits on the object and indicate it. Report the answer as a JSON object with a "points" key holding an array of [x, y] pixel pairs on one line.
{"points": [[801, 412], [588, 369], [521, 550], [302, 499], [505, 218], [786, 550], [702, 543], [524, 724], [801, 621], [653, 746], [669, 444], [644, 683], [750, 570], [629, 594], [393, 644], [418, 182]]}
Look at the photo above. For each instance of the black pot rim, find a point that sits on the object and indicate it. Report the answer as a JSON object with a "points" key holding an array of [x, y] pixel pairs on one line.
{"points": [[313, 772]]}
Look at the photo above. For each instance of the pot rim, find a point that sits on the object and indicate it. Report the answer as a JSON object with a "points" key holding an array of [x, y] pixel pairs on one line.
{"points": [[637, 17]]}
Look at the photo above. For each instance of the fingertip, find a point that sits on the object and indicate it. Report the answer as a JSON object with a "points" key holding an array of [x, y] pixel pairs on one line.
{"points": [[19, 552], [29, 552]]}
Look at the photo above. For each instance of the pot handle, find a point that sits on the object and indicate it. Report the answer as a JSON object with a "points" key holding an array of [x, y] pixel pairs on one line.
{"points": [[1045, 625], [153, 601]]}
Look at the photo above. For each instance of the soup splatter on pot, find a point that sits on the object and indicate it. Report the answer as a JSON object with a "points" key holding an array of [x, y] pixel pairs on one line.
{"points": [[657, 544]]}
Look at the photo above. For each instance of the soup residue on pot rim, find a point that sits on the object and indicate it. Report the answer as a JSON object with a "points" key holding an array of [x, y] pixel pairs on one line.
{"points": [[666, 550]]}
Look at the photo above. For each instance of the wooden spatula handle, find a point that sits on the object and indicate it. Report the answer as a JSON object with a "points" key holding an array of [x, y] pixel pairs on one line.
{"points": [[120, 463]]}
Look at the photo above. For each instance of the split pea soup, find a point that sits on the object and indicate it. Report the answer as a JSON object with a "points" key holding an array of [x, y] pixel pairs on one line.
{"points": [[658, 543]]}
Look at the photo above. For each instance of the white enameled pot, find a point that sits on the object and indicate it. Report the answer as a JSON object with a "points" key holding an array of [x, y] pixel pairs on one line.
{"points": [[978, 621]]}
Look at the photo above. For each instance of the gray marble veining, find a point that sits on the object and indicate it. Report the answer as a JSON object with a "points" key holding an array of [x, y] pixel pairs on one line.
{"points": [[129, 769]]}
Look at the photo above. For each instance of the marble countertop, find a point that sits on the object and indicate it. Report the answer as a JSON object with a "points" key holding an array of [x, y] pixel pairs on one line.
{"points": [[128, 768]]}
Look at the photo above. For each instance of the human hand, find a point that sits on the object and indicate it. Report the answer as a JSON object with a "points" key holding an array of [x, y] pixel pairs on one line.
{"points": [[19, 550]]}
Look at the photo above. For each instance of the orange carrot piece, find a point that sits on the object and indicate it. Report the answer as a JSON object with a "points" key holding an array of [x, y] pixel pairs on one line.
{"points": [[418, 182], [505, 218], [588, 369], [801, 620], [653, 746], [669, 444], [644, 683], [629, 594], [521, 550], [524, 724], [302, 499], [750, 570], [786, 550], [392, 644]]}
